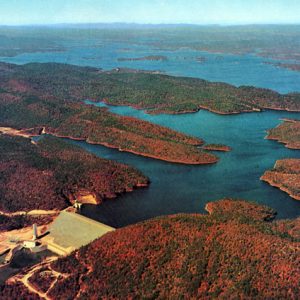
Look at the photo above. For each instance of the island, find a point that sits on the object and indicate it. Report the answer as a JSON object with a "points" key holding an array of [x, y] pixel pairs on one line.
{"points": [[272, 41], [187, 255], [293, 67], [150, 57], [201, 59], [286, 176]]}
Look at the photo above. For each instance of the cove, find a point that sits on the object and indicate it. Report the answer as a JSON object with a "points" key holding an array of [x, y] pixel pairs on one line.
{"points": [[179, 188]]}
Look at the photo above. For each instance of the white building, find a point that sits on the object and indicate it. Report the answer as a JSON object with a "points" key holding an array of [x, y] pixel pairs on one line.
{"points": [[29, 244]]}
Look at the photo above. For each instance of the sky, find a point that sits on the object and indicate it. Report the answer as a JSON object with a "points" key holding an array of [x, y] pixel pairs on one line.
{"points": [[25, 12]]}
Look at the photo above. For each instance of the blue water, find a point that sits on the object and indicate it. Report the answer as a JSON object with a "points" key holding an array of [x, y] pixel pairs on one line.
{"points": [[178, 188], [234, 69]]}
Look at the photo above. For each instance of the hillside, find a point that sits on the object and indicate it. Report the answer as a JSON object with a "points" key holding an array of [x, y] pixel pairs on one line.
{"points": [[50, 96], [158, 93], [286, 176], [235, 252], [286, 172], [154, 92], [17, 291], [52, 173], [287, 132]]}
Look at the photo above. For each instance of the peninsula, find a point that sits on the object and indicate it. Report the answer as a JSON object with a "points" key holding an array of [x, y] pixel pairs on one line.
{"points": [[155, 93], [216, 147], [49, 98], [40, 182], [288, 133], [51, 174], [286, 173], [286, 176]]}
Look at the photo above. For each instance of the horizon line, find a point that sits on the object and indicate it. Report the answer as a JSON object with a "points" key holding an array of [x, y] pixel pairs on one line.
{"points": [[228, 24]]}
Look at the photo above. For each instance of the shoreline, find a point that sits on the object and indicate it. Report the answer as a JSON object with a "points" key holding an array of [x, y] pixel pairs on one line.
{"points": [[200, 107], [158, 112], [278, 185], [285, 143], [43, 130], [288, 144], [132, 151], [220, 148]]}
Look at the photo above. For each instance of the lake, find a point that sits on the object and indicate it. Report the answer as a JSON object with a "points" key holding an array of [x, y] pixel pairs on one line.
{"points": [[179, 188], [247, 69]]}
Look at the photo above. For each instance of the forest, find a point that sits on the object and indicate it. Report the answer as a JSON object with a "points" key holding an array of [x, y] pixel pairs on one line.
{"points": [[155, 93], [50, 96], [288, 132], [52, 173], [286, 172], [8, 223], [17, 290], [235, 251], [286, 176]]}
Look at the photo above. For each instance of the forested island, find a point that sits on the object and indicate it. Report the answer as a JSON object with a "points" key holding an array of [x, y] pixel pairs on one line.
{"points": [[201, 59], [150, 57], [184, 255]]}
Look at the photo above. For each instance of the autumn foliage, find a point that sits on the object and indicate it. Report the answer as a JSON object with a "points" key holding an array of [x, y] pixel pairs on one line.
{"points": [[286, 172], [16, 291], [51, 174], [286, 176], [51, 96], [287, 132], [235, 252]]}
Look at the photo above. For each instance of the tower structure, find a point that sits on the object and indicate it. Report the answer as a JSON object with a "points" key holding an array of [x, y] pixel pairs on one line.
{"points": [[34, 232]]}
